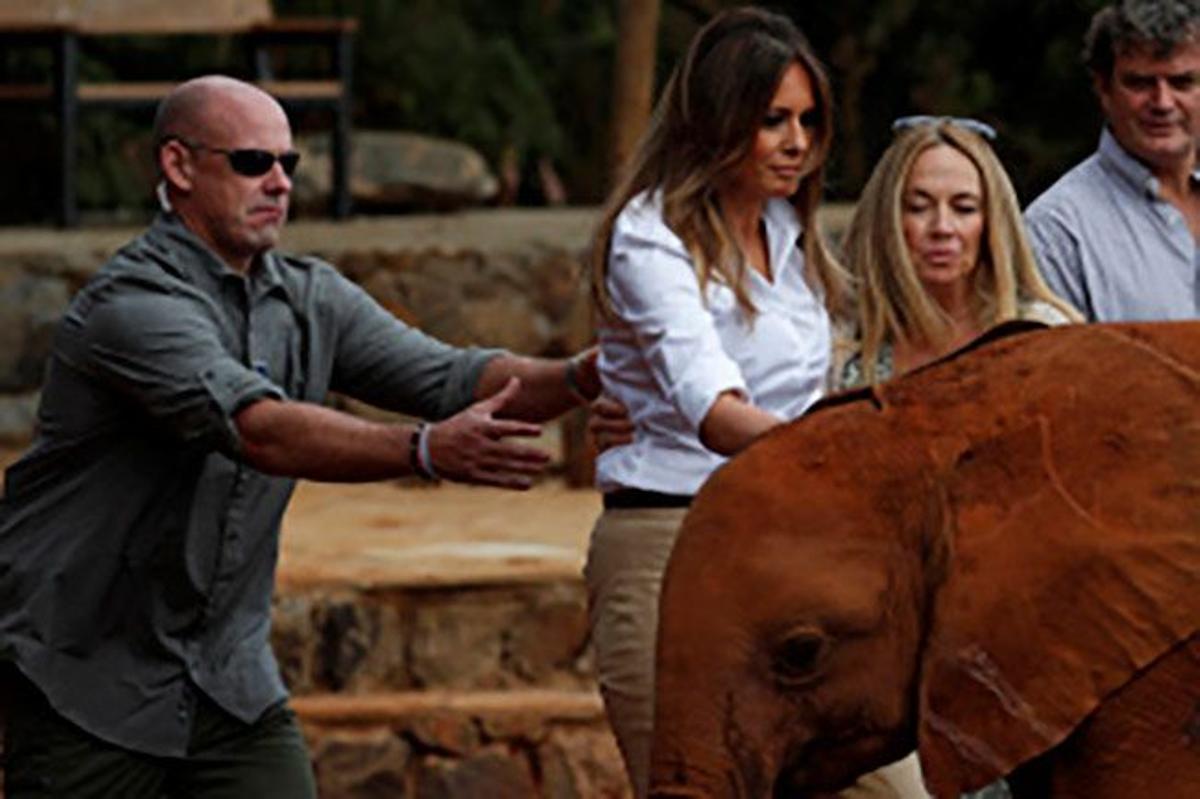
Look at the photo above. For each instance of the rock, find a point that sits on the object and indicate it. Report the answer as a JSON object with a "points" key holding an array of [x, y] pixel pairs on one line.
{"points": [[338, 643], [346, 631], [292, 641], [549, 637], [447, 733], [360, 764], [397, 169], [582, 764], [30, 306], [491, 774], [18, 416], [459, 644]]}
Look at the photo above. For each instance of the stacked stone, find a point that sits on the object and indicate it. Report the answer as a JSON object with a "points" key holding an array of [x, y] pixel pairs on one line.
{"points": [[483, 690]]}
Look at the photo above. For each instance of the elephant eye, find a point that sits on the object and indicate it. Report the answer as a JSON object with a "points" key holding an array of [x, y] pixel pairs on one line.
{"points": [[797, 657]]}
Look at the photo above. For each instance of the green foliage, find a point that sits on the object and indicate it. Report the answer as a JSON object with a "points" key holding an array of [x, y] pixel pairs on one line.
{"points": [[1012, 63], [532, 79], [518, 77]]}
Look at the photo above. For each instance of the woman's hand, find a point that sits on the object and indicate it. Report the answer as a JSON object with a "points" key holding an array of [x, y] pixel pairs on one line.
{"points": [[609, 424]]}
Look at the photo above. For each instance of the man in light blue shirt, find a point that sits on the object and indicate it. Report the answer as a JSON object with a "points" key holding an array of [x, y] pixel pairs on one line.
{"points": [[1117, 235]]}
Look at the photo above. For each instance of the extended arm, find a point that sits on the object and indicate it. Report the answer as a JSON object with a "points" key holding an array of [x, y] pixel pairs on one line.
{"points": [[391, 365], [301, 439], [546, 389], [732, 423]]}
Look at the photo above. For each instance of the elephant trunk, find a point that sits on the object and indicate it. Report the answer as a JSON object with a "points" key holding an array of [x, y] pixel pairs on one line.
{"points": [[708, 773], [727, 790]]}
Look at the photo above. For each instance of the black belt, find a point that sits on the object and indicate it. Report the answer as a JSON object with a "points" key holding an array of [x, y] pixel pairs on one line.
{"points": [[636, 498]]}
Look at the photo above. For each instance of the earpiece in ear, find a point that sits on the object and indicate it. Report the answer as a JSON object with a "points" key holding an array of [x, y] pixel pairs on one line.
{"points": [[160, 192]]}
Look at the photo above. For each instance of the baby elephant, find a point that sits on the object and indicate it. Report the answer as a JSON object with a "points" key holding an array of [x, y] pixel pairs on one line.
{"points": [[994, 560]]}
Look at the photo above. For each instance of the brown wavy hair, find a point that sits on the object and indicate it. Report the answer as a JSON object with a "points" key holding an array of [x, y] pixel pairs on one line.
{"points": [[703, 127]]}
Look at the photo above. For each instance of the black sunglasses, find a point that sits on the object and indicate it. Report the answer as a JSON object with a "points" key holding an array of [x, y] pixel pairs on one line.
{"points": [[247, 162], [966, 123]]}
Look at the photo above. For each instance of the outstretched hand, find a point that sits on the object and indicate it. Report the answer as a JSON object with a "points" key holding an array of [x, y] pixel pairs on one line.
{"points": [[470, 447]]}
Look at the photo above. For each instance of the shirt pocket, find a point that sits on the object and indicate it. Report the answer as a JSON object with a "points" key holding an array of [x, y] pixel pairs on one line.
{"points": [[277, 347]]}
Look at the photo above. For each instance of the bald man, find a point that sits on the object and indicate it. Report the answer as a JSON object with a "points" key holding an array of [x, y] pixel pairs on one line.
{"points": [[138, 536]]}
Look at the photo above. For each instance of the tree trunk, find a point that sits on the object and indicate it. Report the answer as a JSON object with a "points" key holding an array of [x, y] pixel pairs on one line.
{"points": [[633, 77]]}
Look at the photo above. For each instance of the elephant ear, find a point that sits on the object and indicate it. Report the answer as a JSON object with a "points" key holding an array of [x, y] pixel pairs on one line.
{"points": [[1070, 561]]}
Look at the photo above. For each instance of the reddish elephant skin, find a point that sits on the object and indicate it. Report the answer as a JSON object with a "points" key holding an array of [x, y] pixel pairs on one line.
{"points": [[994, 559]]}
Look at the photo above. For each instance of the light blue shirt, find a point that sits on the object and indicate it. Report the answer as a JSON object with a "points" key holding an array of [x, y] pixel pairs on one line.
{"points": [[1109, 244]]}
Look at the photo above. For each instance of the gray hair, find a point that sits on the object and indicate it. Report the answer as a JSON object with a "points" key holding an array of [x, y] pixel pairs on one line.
{"points": [[1158, 25]]}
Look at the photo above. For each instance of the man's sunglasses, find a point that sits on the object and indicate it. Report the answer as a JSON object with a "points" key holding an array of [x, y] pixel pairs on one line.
{"points": [[248, 162], [966, 123]]}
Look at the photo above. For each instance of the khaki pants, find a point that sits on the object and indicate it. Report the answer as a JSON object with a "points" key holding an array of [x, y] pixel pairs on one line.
{"points": [[626, 560]]}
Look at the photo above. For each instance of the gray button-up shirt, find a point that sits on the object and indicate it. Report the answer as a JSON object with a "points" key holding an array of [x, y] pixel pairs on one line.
{"points": [[137, 550], [1110, 245]]}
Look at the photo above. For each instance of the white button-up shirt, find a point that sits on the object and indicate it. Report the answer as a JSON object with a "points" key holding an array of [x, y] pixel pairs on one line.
{"points": [[671, 351]]}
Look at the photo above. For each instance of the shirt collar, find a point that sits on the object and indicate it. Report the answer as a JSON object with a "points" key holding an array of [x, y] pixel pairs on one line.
{"points": [[171, 236], [1131, 170], [267, 277], [173, 239], [781, 215]]}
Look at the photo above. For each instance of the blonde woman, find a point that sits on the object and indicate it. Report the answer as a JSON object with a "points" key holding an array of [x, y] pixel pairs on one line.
{"points": [[938, 253]]}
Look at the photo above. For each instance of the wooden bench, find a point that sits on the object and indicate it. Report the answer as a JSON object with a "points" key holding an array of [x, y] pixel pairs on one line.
{"points": [[66, 25]]}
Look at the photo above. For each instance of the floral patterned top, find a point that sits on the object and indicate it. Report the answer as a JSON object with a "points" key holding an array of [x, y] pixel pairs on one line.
{"points": [[847, 371]]}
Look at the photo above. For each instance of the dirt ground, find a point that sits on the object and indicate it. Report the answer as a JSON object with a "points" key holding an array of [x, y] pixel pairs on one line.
{"points": [[403, 534]]}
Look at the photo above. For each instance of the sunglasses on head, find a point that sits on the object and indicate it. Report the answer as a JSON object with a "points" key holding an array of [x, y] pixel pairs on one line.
{"points": [[248, 162], [966, 123]]}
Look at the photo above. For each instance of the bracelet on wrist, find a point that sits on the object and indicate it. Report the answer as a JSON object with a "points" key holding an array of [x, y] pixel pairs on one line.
{"points": [[571, 378], [424, 457], [415, 461]]}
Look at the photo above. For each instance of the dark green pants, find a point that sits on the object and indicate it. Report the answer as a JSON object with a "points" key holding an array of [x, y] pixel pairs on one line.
{"points": [[48, 757]]}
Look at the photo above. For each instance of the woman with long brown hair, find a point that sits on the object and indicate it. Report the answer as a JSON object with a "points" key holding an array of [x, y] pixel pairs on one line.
{"points": [[712, 282]]}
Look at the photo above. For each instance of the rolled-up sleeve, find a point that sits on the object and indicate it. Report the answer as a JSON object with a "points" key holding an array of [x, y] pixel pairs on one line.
{"points": [[654, 289], [381, 360], [163, 352]]}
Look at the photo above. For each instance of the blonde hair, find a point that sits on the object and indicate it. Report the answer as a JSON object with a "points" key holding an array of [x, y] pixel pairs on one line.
{"points": [[702, 128], [892, 303]]}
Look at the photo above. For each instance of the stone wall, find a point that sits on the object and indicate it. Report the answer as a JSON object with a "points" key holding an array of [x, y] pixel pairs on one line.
{"points": [[455, 637], [507, 278], [500, 745]]}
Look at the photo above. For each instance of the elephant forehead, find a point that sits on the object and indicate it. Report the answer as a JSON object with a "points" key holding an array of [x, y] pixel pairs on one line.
{"points": [[838, 584]]}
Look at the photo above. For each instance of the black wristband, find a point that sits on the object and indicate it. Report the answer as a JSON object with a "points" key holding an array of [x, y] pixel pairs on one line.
{"points": [[571, 378]]}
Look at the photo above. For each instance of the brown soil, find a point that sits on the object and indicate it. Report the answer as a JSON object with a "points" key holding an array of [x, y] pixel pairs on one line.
{"points": [[380, 534]]}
